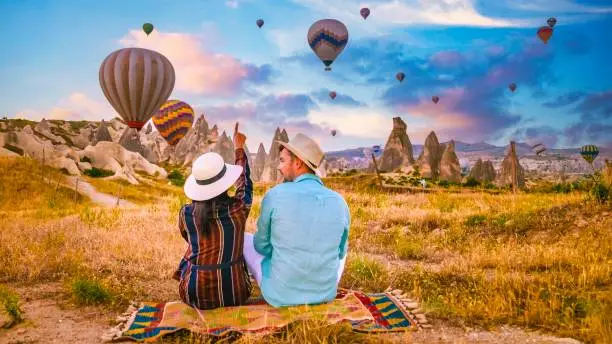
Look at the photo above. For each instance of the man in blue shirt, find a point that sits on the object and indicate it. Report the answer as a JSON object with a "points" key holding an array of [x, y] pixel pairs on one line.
{"points": [[298, 253]]}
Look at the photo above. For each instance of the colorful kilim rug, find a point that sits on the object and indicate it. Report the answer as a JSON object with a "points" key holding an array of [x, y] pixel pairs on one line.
{"points": [[380, 312]]}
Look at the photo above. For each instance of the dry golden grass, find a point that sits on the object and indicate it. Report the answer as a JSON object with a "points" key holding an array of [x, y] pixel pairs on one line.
{"points": [[149, 190], [542, 261], [26, 188]]}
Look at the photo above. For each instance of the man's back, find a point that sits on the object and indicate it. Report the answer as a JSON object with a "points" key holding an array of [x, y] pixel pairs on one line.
{"points": [[302, 231]]}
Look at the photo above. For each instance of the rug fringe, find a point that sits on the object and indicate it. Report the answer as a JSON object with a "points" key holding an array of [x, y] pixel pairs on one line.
{"points": [[124, 320], [411, 307]]}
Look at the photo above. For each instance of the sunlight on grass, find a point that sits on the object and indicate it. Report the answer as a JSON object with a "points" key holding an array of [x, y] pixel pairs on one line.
{"points": [[537, 260]]}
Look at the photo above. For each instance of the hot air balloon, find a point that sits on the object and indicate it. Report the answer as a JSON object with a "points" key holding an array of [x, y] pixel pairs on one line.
{"points": [[400, 76], [551, 21], [332, 94], [333, 132], [365, 12], [512, 87], [259, 22], [589, 153], [327, 38], [545, 33], [136, 82], [538, 148], [147, 28], [435, 99], [173, 120], [376, 149]]}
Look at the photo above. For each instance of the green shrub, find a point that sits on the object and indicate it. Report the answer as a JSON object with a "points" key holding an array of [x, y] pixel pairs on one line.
{"points": [[176, 178], [600, 192], [10, 302], [98, 172], [471, 182], [89, 292], [13, 149]]}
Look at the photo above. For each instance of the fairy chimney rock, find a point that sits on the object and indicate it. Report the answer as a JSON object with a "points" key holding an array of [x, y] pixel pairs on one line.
{"points": [[194, 143], [225, 148], [450, 170], [505, 174], [398, 149], [131, 141], [429, 160], [483, 171], [102, 134], [260, 162], [270, 173]]}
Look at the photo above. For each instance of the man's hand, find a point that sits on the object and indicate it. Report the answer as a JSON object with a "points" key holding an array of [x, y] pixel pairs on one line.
{"points": [[239, 138]]}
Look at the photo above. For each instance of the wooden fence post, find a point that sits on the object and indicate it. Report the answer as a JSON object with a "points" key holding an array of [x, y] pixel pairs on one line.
{"points": [[377, 172], [513, 160]]}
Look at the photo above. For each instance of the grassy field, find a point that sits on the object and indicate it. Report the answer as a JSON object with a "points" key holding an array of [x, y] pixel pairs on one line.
{"points": [[536, 260]]}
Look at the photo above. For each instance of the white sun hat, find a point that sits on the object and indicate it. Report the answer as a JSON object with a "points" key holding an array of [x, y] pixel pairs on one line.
{"points": [[210, 177]]}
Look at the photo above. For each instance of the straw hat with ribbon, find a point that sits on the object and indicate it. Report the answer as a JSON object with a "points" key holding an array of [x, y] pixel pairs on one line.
{"points": [[307, 150]]}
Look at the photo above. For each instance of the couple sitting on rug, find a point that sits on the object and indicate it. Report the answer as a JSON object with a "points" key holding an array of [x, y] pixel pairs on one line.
{"points": [[298, 252]]}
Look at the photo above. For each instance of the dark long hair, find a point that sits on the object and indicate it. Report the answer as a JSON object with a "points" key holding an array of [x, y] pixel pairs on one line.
{"points": [[203, 211]]}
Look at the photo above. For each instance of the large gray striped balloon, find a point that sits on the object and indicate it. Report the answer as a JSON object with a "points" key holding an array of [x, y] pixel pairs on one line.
{"points": [[136, 83]]}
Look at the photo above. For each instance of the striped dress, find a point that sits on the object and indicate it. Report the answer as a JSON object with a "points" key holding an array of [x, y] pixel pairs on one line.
{"points": [[213, 272]]}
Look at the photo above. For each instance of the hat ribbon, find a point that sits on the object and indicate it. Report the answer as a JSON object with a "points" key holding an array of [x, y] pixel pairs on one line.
{"points": [[212, 179]]}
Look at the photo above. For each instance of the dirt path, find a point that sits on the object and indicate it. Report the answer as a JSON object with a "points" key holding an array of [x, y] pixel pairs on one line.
{"points": [[97, 197], [51, 318]]}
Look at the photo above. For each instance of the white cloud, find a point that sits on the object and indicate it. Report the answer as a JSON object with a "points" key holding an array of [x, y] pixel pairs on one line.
{"points": [[286, 42], [198, 71], [413, 12], [78, 106], [231, 4], [359, 122], [557, 6]]}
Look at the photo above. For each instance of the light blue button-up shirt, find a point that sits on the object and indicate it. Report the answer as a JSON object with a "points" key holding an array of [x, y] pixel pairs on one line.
{"points": [[303, 233]]}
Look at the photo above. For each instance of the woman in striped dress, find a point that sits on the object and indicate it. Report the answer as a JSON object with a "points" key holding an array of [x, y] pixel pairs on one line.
{"points": [[213, 272]]}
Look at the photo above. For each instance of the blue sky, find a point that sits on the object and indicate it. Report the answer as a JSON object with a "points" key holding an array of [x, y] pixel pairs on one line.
{"points": [[464, 51]]}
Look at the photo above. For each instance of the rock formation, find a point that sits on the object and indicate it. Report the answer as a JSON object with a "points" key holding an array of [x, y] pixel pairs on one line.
{"points": [[259, 163], [149, 129], [44, 129], [102, 134], [114, 157], [31, 145], [398, 150], [154, 147], [197, 141], [450, 170], [429, 160], [130, 140], [225, 148], [505, 174], [483, 171], [249, 158], [270, 173]]}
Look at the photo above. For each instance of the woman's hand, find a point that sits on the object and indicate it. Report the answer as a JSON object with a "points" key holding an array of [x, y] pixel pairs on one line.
{"points": [[239, 138]]}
